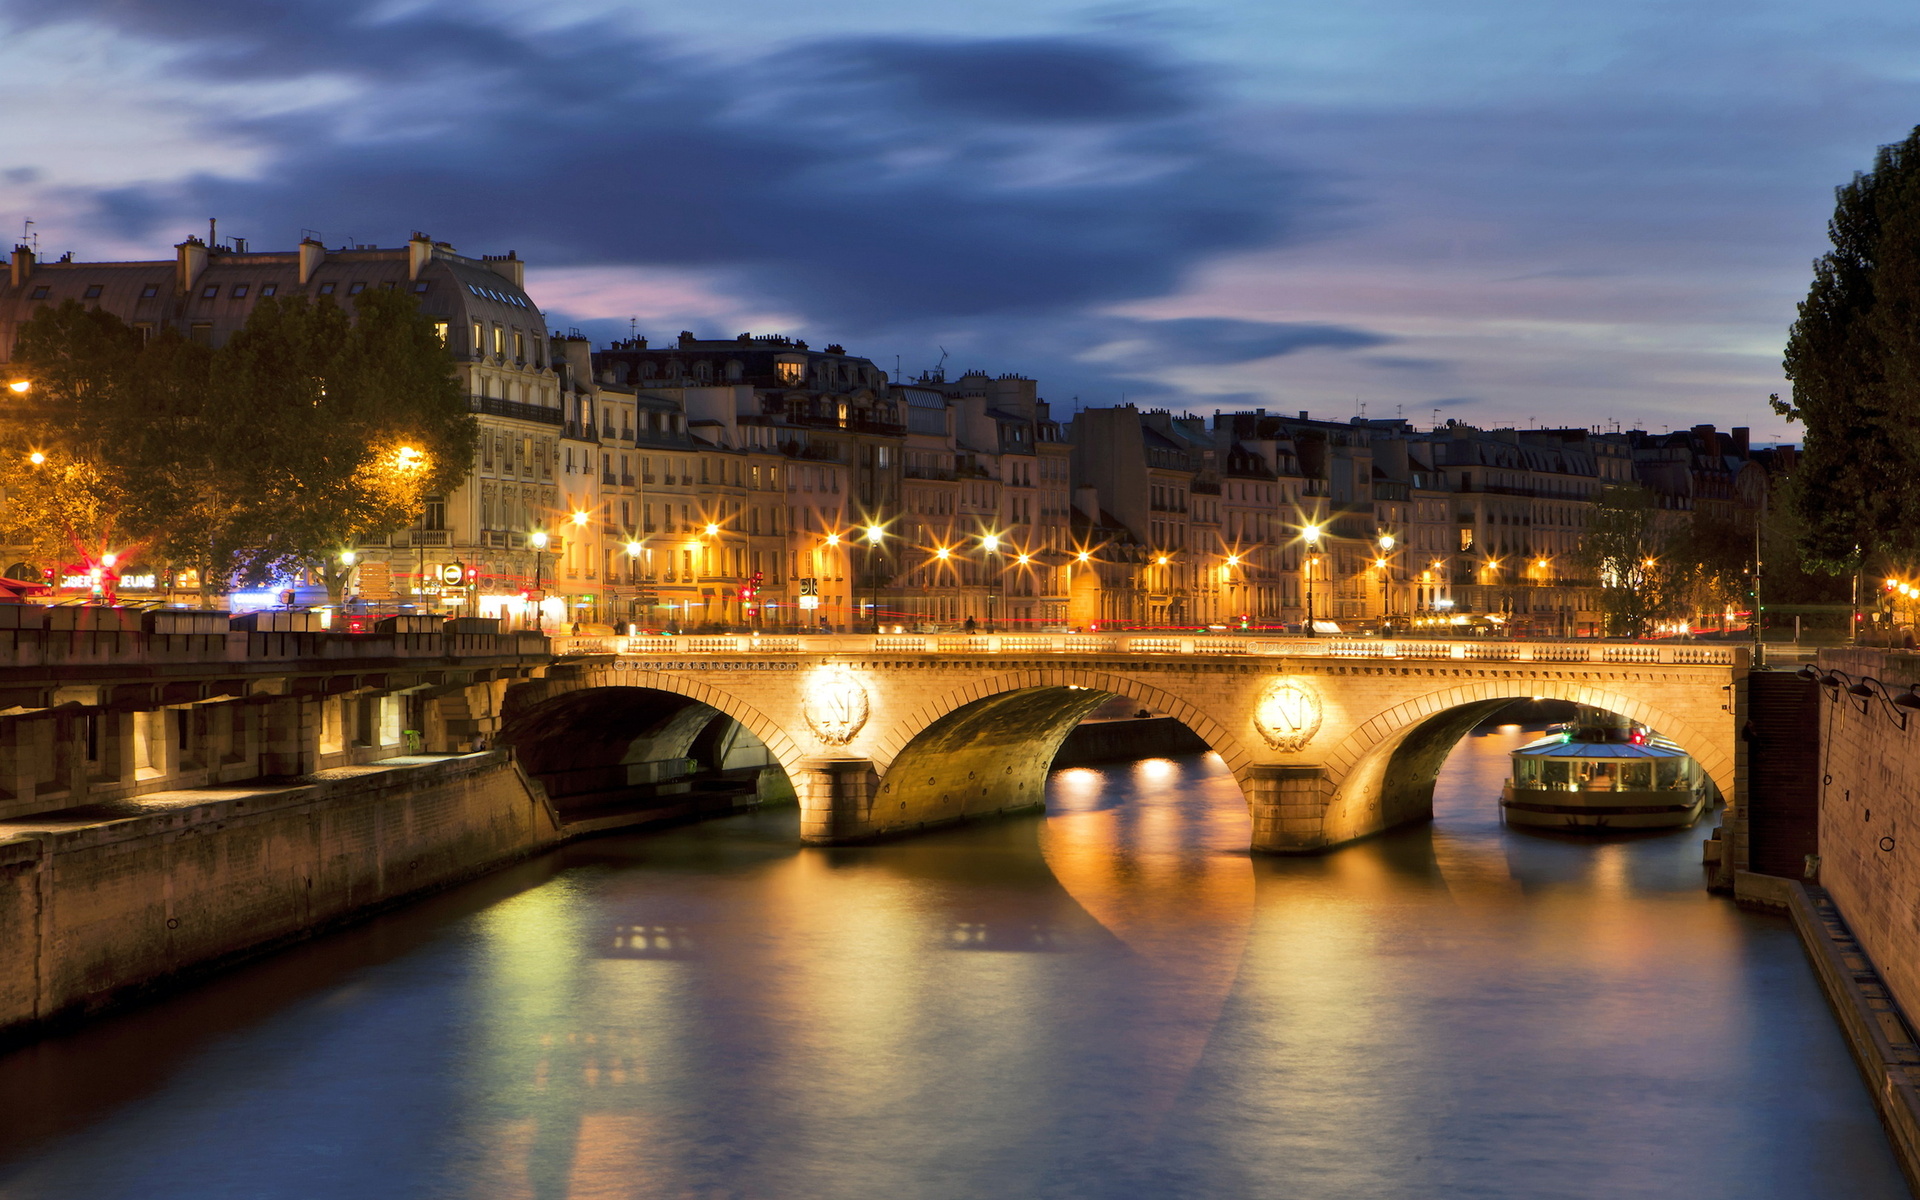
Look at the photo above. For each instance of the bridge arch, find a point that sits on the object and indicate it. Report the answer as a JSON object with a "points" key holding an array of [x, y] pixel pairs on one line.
{"points": [[986, 747], [602, 731], [1383, 772]]}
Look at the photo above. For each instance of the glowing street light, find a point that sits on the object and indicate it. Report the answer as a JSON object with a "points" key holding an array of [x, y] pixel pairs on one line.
{"points": [[348, 558], [633, 549], [942, 553], [875, 534], [36, 458], [990, 542], [1386, 543], [20, 387], [538, 540], [579, 518], [833, 539], [713, 530]]}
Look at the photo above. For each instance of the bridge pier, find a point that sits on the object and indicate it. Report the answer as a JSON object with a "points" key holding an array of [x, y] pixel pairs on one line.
{"points": [[1289, 808], [836, 799]]}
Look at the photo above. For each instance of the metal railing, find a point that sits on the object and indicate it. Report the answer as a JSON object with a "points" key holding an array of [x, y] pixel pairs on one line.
{"points": [[1472, 650]]}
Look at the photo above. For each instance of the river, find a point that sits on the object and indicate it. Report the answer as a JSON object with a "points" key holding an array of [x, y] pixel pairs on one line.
{"points": [[1113, 1000]]}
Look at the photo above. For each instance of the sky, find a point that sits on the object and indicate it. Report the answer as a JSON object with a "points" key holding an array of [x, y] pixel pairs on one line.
{"points": [[1498, 211]]}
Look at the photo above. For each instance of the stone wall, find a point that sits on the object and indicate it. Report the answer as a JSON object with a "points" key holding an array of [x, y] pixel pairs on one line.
{"points": [[1870, 813], [99, 903]]}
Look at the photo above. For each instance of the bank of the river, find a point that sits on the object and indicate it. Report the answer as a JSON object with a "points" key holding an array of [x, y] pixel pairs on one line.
{"points": [[1112, 1000], [110, 902]]}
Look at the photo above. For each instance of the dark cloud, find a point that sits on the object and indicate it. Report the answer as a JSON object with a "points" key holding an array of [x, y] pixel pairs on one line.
{"points": [[895, 181], [1222, 340], [1033, 80]]}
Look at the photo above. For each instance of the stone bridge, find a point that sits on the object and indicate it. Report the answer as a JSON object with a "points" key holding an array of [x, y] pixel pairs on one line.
{"points": [[1330, 740]]}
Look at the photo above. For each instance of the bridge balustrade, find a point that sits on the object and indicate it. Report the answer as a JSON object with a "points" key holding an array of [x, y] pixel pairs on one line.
{"points": [[1473, 650]]}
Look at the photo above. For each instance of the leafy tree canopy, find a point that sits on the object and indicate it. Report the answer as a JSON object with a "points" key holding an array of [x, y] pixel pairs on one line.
{"points": [[308, 431], [1854, 359]]}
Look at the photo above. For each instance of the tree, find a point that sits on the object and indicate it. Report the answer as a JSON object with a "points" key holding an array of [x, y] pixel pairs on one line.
{"points": [[65, 472], [1626, 554], [307, 432], [1854, 359]]}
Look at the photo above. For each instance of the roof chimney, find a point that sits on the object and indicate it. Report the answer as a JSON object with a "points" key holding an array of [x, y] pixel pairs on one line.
{"points": [[312, 254], [419, 253], [509, 266], [22, 264], [190, 258], [1740, 434]]}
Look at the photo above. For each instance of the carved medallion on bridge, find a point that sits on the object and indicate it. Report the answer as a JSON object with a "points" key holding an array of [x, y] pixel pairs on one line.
{"points": [[1288, 715], [835, 705]]}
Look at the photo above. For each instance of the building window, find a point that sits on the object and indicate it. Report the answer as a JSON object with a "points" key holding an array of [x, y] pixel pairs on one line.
{"points": [[92, 292], [150, 291], [40, 293], [479, 343], [200, 333], [435, 516], [519, 346], [354, 289], [239, 291], [268, 289], [420, 287], [440, 331], [206, 293], [326, 289], [499, 341]]}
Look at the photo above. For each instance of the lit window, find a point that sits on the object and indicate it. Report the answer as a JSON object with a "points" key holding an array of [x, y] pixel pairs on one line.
{"points": [[354, 289], [499, 340], [92, 292], [268, 289], [239, 291], [150, 291], [326, 289], [440, 331], [206, 293]]}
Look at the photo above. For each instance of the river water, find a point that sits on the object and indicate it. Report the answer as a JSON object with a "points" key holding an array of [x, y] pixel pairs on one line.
{"points": [[1113, 1000]]}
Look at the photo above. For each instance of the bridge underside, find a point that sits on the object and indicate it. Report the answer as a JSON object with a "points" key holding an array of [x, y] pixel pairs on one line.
{"points": [[988, 758]]}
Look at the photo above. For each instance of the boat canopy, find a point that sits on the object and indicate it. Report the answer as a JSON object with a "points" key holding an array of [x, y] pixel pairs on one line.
{"points": [[1557, 747]]}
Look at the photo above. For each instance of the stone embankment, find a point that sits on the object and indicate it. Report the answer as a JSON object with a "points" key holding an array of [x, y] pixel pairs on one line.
{"points": [[102, 903], [1856, 903]]}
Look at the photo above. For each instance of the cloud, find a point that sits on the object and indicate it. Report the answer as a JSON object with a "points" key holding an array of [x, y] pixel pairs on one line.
{"points": [[890, 183]]}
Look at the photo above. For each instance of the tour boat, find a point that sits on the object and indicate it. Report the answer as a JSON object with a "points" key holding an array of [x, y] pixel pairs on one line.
{"points": [[1597, 773]]}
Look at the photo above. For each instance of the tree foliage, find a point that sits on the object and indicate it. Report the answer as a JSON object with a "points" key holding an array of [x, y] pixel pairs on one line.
{"points": [[1627, 553], [307, 432], [1854, 359]]}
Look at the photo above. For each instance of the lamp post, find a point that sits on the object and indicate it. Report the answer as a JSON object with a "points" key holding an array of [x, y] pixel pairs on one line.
{"points": [[990, 546], [1384, 564], [538, 540], [636, 573], [872, 541], [1311, 535]]}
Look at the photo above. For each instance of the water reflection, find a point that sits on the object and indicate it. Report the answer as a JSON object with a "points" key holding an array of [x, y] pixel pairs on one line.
{"points": [[1114, 1000]]}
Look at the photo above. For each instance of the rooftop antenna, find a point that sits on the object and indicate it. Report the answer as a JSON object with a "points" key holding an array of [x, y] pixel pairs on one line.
{"points": [[32, 239], [1436, 418], [633, 328], [896, 368]]}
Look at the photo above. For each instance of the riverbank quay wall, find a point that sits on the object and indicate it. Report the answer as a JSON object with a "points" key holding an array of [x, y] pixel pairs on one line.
{"points": [[106, 902], [1869, 824]]}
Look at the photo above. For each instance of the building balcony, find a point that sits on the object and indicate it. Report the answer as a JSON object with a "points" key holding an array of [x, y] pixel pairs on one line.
{"points": [[491, 407]]}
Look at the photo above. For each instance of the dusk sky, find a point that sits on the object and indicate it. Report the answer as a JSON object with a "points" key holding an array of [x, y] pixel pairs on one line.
{"points": [[1496, 210]]}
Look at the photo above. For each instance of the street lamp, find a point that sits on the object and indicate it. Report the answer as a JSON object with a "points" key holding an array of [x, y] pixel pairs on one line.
{"points": [[538, 540], [875, 535], [990, 544], [1311, 535], [20, 387]]}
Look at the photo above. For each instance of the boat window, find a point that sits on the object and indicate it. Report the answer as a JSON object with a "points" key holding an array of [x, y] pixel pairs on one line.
{"points": [[1526, 771], [1597, 776], [1636, 776], [1671, 773], [1556, 773]]}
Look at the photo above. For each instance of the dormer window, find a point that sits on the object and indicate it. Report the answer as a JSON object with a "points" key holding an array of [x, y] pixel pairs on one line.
{"points": [[206, 293], [268, 289], [39, 293], [326, 289], [239, 291], [150, 291], [354, 289], [419, 287], [92, 292]]}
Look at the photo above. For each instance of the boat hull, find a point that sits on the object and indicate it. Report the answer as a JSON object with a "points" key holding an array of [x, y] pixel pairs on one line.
{"points": [[1601, 811]]}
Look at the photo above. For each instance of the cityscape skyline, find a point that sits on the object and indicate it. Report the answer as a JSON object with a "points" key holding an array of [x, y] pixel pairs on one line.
{"points": [[1512, 219]]}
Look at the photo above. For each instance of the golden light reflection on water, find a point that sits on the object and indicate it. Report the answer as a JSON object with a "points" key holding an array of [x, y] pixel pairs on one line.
{"points": [[1114, 1000]]}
